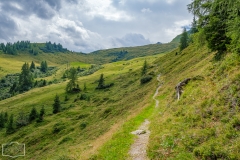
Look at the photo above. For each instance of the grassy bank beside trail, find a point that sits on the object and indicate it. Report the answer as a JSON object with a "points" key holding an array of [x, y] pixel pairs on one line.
{"points": [[119, 146]]}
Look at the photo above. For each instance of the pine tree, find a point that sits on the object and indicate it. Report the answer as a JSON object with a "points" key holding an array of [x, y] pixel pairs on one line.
{"points": [[25, 78], [101, 82], [40, 117], [194, 26], [72, 84], [44, 66], [33, 114], [56, 105], [2, 122], [5, 117], [144, 68], [85, 87], [184, 40], [10, 128], [32, 66]]}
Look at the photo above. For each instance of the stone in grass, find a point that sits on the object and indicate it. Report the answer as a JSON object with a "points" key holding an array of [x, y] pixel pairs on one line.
{"points": [[139, 132]]}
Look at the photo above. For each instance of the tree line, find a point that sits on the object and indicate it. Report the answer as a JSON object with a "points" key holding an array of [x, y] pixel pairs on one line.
{"points": [[218, 24], [53, 47], [21, 120], [32, 48]]}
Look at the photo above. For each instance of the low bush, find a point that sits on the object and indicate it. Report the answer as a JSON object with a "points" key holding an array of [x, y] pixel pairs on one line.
{"points": [[146, 79]]}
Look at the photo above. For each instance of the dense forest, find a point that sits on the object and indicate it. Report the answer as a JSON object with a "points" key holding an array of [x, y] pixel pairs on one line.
{"points": [[32, 48], [218, 23]]}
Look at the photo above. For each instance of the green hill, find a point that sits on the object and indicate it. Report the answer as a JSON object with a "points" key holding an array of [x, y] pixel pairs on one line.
{"points": [[85, 116], [203, 124], [96, 123]]}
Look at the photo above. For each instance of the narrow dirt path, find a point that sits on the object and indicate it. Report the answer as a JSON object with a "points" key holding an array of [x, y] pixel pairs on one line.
{"points": [[156, 92], [138, 150]]}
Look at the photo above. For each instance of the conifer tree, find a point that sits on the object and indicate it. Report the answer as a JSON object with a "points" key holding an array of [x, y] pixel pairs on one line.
{"points": [[183, 40], [10, 128], [100, 82], [25, 78], [32, 66], [41, 114], [5, 117], [144, 68], [56, 105], [33, 114], [85, 87], [2, 122], [44, 66]]}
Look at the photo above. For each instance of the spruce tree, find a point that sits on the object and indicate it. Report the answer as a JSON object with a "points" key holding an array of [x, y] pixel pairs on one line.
{"points": [[2, 122], [101, 82], [5, 117], [194, 26], [32, 66], [33, 114], [184, 40], [25, 78], [144, 68], [44, 66], [41, 114], [85, 87], [56, 105], [10, 128]]}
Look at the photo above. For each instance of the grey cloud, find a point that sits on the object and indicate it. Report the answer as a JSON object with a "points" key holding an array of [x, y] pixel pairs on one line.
{"points": [[131, 39], [8, 27], [71, 31], [72, 1], [55, 4], [44, 9]]}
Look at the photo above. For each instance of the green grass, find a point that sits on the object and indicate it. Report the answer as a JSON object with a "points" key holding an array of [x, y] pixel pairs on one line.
{"points": [[200, 125], [203, 124], [119, 146], [79, 64], [81, 122]]}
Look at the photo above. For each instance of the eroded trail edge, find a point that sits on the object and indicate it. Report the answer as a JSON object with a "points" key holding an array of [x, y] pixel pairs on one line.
{"points": [[138, 150]]}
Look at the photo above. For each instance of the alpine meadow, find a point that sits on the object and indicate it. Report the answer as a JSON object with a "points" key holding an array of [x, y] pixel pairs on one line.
{"points": [[161, 101]]}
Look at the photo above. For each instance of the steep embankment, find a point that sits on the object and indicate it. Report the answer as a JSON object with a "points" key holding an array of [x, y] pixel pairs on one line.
{"points": [[205, 122]]}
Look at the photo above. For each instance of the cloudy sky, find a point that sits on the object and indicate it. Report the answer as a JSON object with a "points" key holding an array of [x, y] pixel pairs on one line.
{"points": [[88, 25]]}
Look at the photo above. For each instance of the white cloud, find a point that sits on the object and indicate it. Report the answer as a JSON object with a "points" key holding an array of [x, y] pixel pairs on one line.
{"points": [[105, 9], [146, 10], [88, 25], [176, 29]]}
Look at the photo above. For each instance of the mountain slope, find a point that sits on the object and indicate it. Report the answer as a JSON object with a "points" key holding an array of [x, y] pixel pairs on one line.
{"points": [[204, 123]]}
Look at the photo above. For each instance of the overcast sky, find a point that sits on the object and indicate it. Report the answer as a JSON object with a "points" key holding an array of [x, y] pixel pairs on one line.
{"points": [[88, 25]]}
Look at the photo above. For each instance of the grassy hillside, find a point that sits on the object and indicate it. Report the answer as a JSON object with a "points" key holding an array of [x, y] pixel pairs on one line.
{"points": [[13, 63], [75, 132], [96, 124], [205, 122], [111, 55]]}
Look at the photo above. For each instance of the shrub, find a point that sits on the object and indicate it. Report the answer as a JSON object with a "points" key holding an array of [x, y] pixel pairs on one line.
{"points": [[81, 116], [65, 139], [146, 79], [83, 125], [22, 120], [58, 127]]}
